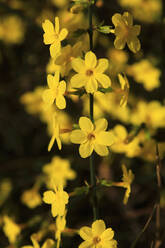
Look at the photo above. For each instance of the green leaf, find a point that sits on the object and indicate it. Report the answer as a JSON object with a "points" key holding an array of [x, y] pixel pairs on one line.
{"points": [[106, 183], [104, 29], [105, 90]]}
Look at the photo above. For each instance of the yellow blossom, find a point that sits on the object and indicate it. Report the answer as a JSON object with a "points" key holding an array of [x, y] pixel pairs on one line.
{"points": [[58, 170], [145, 73], [58, 200], [56, 134], [31, 198], [12, 29], [125, 89], [144, 10], [54, 36], [125, 32], [55, 92], [92, 137], [60, 225], [90, 72], [117, 61], [64, 60], [120, 145], [49, 243], [97, 236], [127, 179], [151, 113], [11, 229]]}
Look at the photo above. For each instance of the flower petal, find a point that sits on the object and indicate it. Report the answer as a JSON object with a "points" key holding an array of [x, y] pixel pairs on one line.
{"points": [[58, 143], [134, 44], [86, 149], [62, 87], [86, 233], [116, 19], [119, 43], [86, 124], [57, 25], [90, 60], [51, 142], [48, 197], [128, 18], [48, 243], [78, 65], [102, 65], [101, 149], [55, 49], [48, 38], [103, 79], [48, 97], [91, 85], [34, 241], [54, 209], [98, 227], [86, 244], [57, 77], [77, 136], [101, 124], [78, 80], [50, 81], [48, 27], [60, 102], [107, 234], [107, 244], [105, 138], [63, 34]]}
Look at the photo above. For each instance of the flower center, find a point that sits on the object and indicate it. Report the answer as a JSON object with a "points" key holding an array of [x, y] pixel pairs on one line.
{"points": [[89, 72], [56, 36], [91, 136], [96, 240]]}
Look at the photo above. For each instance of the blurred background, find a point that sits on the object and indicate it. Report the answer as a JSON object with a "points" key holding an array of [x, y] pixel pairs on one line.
{"points": [[26, 129]]}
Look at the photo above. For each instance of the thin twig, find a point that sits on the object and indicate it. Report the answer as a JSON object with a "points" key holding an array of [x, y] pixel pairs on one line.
{"points": [[144, 228], [158, 168], [91, 103]]}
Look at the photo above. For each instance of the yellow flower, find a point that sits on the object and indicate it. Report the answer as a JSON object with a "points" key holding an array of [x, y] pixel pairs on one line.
{"points": [[127, 179], [11, 229], [58, 200], [55, 92], [120, 145], [60, 225], [125, 89], [54, 36], [31, 198], [56, 134], [58, 170], [125, 32], [145, 73], [97, 236], [92, 137], [47, 244], [12, 29], [68, 53], [151, 113], [90, 73]]}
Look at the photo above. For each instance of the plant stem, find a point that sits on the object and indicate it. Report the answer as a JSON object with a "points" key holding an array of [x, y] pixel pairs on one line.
{"points": [[91, 102], [144, 228], [158, 167]]}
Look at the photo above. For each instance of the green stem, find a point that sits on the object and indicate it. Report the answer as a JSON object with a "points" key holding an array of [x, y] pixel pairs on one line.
{"points": [[91, 102]]}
